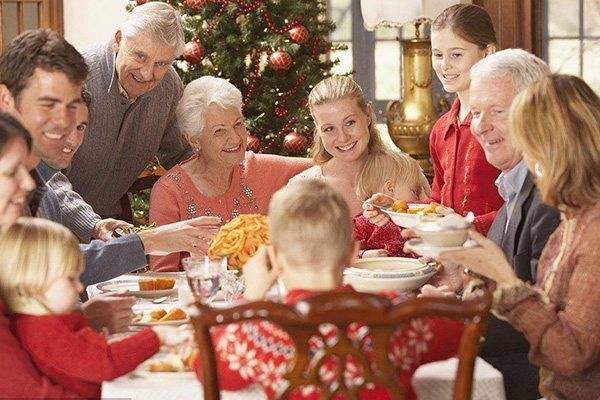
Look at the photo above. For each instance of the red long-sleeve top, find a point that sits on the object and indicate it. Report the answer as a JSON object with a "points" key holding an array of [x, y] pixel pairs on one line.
{"points": [[71, 354], [371, 236], [259, 352], [463, 179], [19, 378]]}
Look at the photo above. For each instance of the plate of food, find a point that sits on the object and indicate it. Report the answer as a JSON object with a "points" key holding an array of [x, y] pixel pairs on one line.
{"points": [[143, 287], [169, 366], [160, 316], [409, 215]]}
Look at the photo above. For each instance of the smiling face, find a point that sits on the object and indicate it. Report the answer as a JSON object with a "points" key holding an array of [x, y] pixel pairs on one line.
{"points": [[141, 63], [73, 140], [223, 137], [452, 57], [343, 127], [47, 107], [490, 104], [15, 181]]}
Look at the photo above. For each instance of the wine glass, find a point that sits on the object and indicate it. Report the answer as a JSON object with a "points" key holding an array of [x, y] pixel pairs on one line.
{"points": [[203, 276]]}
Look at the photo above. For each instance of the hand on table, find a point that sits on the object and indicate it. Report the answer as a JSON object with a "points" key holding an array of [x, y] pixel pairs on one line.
{"points": [[104, 228], [259, 276], [193, 236], [109, 311]]}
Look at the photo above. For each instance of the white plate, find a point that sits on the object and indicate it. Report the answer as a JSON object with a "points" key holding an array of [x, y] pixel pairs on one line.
{"points": [[132, 286], [406, 220], [173, 322], [423, 249]]}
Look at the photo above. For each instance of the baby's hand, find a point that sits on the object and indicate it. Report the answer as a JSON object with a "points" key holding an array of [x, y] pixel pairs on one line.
{"points": [[375, 253], [372, 213]]}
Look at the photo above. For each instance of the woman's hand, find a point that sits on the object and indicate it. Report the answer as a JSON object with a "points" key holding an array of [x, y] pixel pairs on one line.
{"points": [[486, 259], [433, 291], [372, 213], [192, 235], [258, 275]]}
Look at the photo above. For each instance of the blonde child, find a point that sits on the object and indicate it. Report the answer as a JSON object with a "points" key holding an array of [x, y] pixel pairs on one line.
{"points": [[39, 282], [311, 231], [396, 175]]}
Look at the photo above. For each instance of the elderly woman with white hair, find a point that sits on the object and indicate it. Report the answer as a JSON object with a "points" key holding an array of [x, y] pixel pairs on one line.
{"points": [[222, 178]]}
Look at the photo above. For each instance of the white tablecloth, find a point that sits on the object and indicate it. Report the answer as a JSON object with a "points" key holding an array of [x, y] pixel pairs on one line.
{"points": [[435, 381]]}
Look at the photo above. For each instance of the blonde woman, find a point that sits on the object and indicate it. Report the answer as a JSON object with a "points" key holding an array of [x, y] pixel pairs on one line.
{"points": [[556, 124], [345, 132]]}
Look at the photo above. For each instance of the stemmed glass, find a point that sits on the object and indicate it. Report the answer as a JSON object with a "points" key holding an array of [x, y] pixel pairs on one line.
{"points": [[203, 276]]}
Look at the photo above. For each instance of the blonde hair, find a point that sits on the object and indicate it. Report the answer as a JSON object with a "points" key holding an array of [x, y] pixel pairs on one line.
{"points": [[556, 123], [394, 166], [310, 223], [339, 87], [36, 252]]}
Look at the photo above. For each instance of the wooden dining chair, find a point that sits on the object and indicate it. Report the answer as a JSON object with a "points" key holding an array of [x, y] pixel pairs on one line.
{"points": [[303, 320]]}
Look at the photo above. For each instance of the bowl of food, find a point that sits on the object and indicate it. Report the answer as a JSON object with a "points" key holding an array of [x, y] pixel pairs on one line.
{"points": [[409, 215], [379, 274], [449, 231]]}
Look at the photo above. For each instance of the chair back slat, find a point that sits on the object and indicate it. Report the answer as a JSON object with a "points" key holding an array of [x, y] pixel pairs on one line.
{"points": [[340, 312]]}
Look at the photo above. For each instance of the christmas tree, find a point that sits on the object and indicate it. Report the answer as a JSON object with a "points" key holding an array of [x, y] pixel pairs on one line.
{"points": [[274, 51]]}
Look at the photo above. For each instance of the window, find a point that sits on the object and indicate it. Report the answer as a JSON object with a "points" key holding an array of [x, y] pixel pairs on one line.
{"points": [[17, 16], [571, 38], [373, 57]]}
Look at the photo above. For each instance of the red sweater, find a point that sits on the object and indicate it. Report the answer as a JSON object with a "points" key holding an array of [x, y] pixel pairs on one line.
{"points": [[71, 354], [385, 237], [258, 352], [18, 376], [463, 179]]}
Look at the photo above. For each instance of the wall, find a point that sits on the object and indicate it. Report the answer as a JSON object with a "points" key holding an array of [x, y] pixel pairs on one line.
{"points": [[91, 21]]}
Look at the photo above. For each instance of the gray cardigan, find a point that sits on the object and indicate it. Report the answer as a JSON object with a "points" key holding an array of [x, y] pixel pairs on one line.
{"points": [[122, 137]]}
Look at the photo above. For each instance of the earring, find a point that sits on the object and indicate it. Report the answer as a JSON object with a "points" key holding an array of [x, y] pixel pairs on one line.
{"points": [[537, 168]]}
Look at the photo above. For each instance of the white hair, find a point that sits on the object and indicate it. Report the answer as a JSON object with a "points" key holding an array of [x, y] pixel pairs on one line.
{"points": [[198, 95], [523, 67], [158, 19]]}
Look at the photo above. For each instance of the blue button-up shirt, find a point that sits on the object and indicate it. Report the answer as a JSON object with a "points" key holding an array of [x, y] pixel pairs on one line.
{"points": [[509, 185]]}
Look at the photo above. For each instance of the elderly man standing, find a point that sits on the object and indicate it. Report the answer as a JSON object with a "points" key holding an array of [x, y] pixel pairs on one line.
{"points": [[134, 91], [524, 223]]}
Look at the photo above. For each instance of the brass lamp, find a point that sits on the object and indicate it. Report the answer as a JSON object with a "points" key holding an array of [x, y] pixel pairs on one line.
{"points": [[410, 120]]}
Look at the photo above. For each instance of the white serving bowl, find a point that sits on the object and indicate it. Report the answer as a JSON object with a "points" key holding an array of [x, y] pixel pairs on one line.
{"points": [[378, 274], [406, 220], [435, 235]]}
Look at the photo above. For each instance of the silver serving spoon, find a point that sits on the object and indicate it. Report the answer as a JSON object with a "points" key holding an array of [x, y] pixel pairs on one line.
{"points": [[160, 300]]}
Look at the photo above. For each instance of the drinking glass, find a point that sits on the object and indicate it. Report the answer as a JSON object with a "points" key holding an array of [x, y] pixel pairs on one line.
{"points": [[203, 276]]}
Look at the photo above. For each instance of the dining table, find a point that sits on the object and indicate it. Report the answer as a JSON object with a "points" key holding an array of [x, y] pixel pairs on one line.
{"points": [[432, 381]]}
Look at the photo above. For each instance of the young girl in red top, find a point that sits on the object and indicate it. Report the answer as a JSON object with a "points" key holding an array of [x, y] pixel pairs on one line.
{"points": [[463, 180], [396, 175], [39, 282], [311, 243]]}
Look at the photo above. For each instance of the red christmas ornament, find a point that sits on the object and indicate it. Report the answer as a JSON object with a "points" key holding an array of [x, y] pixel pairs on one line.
{"points": [[140, 2], [299, 34], [253, 143], [195, 4], [294, 143], [280, 111], [193, 51], [280, 60]]}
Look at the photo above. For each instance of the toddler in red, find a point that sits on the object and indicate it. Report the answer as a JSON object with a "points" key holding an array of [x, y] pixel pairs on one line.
{"points": [[396, 175]]}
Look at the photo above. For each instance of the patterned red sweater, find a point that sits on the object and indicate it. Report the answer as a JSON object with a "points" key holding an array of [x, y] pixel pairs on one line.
{"points": [[71, 354], [463, 179], [258, 352], [385, 237]]}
